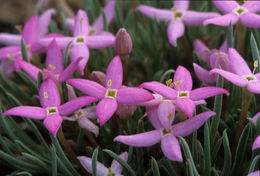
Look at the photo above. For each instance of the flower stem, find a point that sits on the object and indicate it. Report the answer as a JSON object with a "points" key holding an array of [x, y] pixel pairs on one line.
{"points": [[187, 50], [125, 61], [246, 99], [241, 37]]}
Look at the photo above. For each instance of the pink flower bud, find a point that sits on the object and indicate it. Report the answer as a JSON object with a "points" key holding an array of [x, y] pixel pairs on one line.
{"points": [[123, 44]]}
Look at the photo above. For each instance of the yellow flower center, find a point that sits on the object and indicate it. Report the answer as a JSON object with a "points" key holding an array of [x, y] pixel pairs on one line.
{"points": [[52, 66], [240, 10], [183, 94], [52, 110], [111, 93]]}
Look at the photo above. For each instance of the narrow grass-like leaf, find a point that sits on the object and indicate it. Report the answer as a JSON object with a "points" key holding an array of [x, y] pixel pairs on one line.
{"points": [[253, 164], [255, 51], [207, 160], [63, 168], [66, 55], [53, 161], [216, 149], [24, 173], [24, 51], [94, 162], [230, 36], [104, 18], [63, 21], [227, 155], [37, 161], [155, 167], [29, 81], [215, 172], [120, 161], [167, 163], [190, 169], [39, 80]]}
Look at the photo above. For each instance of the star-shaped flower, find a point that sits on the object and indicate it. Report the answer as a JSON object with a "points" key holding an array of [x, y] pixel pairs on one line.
{"points": [[178, 17]]}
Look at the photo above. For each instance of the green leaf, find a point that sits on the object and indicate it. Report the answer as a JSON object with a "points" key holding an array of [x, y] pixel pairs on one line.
{"points": [[216, 149], [24, 51], [230, 36], [29, 81], [155, 167], [255, 51], [53, 161], [24, 173], [66, 55], [94, 162], [227, 155], [207, 160], [104, 18], [63, 21], [120, 161], [37, 161], [253, 164], [39, 80]]}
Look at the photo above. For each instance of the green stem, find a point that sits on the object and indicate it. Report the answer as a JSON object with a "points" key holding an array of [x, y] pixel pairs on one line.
{"points": [[241, 37], [246, 99], [125, 75]]}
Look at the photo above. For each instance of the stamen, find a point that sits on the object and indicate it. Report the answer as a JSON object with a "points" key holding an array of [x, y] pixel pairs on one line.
{"points": [[52, 66], [111, 93], [170, 116], [169, 83], [81, 20], [110, 172], [245, 1], [109, 83], [250, 78], [183, 94], [52, 110], [18, 28], [255, 66], [92, 31], [79, 114], [45, 95], [10, 57], [174, 9], [178, 83]]}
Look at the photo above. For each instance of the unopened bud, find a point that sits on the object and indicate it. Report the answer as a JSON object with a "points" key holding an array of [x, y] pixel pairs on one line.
{"points": [[123, 43]]}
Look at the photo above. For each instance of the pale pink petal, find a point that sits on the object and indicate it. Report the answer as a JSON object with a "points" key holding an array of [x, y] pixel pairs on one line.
{"points": [[49, 94], [154, 102], [223, 20], [223, 47], [81, 25], [46, 74], [204, 75], [186, 105], [115, 166], [201, 50], [140, 140], [220, 60], [161, 89], [86, 162], [189, 126], [9, 50], [88, 125], [131, 95], [30, 69], [254, 87], [69, 70], [105, 109], [79, 50], [256, 173], [206, 92], [166, 112], [114, 74], [160, 14], [193, 18], [256, 116], [109, 12], [251, 20], [30, 30], [98, 77], [75, 104], [181, 4], [256, 143], [252, 5], [54, 59], [125, 110], [183, 75], [171, 148], [235, 79], [27, 111], [152, 113], [175, 30], [100, 41], [88, 87], [70, 22], [257, 76], [62, 41], [44, 21], [53, 122], [225, 6], [10, 39], [90, 112]]}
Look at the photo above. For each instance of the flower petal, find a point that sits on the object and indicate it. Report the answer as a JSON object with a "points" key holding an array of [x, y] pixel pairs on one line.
{"points": [[256, 143], [183, 75], [235, 79], [109, 12], [252, 6], [152, 113], [88, 125], [171, 148], [223, 47], [90, 112], [193, 18], [115, 166], [105, 109], [30, 69], [161, 89], [88, 87], [251, 20], [44, 21], [49, 94], [69, 70], [9, 50], [201, 50], [186, 105], [100, 41], [225, 6], [166, 112], [62, 41], [256, 173], [222, 20], [81, 26], [140, 140], [53, 122], [114, 74], [27, 111], [256, 117], [160, 14], [183, 4], [10, 39], [219, 60], [175, 30], [86, 162], [54, 60], [132, 95], [79, 50], [75, 104], [30, 30], [206, 92], [189, 126], [257, 76], [254, 87], [98, 77], [237, 63], [70, 22], [204, 75]]}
